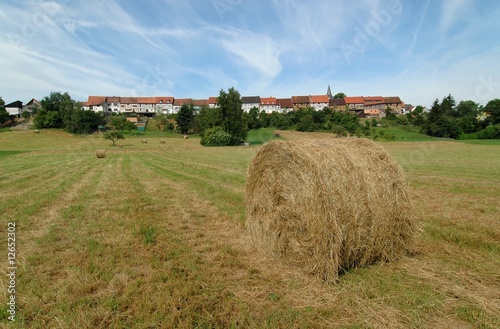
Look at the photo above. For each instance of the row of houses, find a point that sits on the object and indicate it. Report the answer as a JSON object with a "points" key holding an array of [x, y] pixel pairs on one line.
{"points": [[371, 106], [17, 108], [367, 106]]}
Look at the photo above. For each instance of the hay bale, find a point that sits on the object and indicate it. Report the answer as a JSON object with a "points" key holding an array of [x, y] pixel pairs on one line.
{"points": [[328, 205], [144, 141], [37, 131], [186, 136], [162, 141], [100, 153]]}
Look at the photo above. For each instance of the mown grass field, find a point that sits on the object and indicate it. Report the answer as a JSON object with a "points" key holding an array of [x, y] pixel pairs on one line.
{"points": [[153, 236]]}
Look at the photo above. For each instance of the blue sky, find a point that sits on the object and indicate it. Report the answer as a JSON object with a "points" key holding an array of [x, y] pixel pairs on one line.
{"points": [[418, 50]]}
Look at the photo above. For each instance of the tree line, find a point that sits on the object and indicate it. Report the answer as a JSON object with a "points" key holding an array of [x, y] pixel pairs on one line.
{"points": [[467, 120]]}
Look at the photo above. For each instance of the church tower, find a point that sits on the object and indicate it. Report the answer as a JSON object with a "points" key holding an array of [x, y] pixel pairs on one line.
{"points": [[329, 93]]}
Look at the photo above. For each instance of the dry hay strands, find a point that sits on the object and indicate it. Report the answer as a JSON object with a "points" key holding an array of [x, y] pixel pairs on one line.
{"points": [[162, 141], [100, 153], [144, 141], [327, 206]]}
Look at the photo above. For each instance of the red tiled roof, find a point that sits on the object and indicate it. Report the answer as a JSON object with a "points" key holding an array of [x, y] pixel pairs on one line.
{"points": [[200, 102], [268, 101], [113, 99], [285, 103], [212, 100], [373, 99], [182, 101], [146, 100], [301, 100], [95, 100], [164, 100], [319, 99], [129, 100], [354, 100]]}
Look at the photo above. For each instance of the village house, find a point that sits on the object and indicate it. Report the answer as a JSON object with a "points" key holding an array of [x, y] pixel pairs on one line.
{"points": [[319, 102], [337, 104], [249, 102], [178, 102], [212, 102], [14, 108], [300, 102], [285, 104], [32, 106], [269, 105]]}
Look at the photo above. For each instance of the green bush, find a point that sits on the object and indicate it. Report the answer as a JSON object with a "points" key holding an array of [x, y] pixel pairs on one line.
{"points": [[490, 132], [389, 136], [216, 137]]}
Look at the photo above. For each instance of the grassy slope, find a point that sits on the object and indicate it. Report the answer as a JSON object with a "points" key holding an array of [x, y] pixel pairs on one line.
{"points": [[154, 235]]}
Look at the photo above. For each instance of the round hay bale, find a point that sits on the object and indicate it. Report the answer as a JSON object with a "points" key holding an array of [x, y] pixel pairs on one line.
{"points": [[100, 153], [162, 141], [144, 141], [328, 205], [186, 136]]}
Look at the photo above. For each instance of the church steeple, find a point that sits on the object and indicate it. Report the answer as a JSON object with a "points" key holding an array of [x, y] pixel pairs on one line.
{"points": [[329, 93]]}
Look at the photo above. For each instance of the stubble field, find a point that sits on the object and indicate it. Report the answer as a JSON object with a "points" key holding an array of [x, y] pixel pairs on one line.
{"points": [[153, 236]]}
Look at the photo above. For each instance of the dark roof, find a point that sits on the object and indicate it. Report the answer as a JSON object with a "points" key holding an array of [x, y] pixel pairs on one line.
{"points": [[392, 100], [301, 100], [250, 99], [337, 102], [16, 104]]}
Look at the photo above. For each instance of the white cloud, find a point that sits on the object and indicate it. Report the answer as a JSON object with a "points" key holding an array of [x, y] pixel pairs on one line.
{"points": [[453, 11]]}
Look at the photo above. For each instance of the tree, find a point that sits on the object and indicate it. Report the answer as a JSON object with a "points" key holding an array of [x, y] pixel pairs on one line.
{"points": [[129, 126], [216, 137], [117, 122], [207, 118], [56, 112], [339, 95], [4, 115], [253, 121], [84, 122], [113, 136], [232, 115], [185, 118], [492, 109], [161, 122]]}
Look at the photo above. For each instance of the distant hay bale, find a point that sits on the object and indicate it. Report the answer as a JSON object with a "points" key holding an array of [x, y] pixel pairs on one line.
{"points": [[100, 153], [162, 141], [328, 205], [37, 131], [186, 137], [144, 141]]}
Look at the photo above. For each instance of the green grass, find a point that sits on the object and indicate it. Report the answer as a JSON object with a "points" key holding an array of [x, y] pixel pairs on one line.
{"points": [[260, 136], [406, 133], [4, 154], [481, 141], [153, 236]]}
